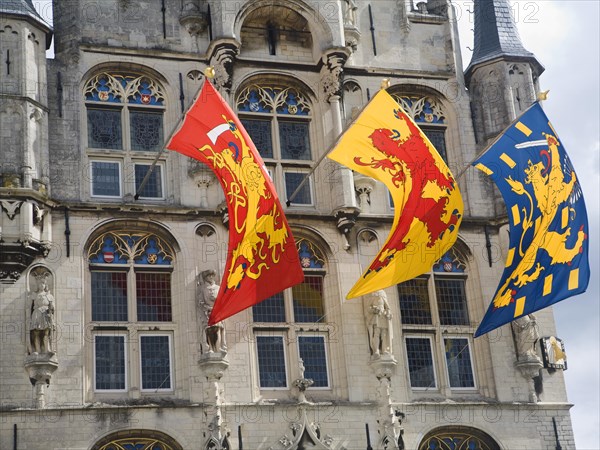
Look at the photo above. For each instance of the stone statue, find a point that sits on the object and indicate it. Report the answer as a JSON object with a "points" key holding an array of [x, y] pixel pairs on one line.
{"points": [[379, 324], [214, 336], [350, 13], [526, 335], [41, 323]]}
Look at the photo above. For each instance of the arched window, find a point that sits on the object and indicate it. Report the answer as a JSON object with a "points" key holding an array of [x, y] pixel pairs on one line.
{"points": [[436, 327], [281, 325], [138, 440], [458, 438], [124, 131], [130, 294], [277, 119], [428, 113]]}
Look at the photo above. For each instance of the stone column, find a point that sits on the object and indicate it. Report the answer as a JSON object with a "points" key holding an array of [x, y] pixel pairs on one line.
{"points": [[345, 210]]}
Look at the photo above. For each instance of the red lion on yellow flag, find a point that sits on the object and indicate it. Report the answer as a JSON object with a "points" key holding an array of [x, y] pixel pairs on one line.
{"points": [[385, 144], [410, 158], [262, 258]]}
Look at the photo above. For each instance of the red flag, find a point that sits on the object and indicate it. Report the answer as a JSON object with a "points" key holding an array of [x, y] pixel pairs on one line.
{"points": [[262, 258]]}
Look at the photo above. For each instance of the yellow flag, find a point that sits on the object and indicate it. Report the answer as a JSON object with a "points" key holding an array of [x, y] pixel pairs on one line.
{"points": [[384, 143]]}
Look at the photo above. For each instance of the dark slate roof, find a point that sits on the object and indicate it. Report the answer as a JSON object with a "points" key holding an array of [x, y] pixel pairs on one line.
{"points": [[25, 8], [496, 35]]}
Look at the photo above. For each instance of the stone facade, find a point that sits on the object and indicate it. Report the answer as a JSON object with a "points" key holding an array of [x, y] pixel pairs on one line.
{"points": [[58, 213]]}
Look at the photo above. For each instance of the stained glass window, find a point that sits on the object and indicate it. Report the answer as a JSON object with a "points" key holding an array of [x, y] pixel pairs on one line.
{"points": [[130, 105], [271, 361], [438, 139], [106, 179], [314, 358], [436, 307], [277, 118], [270, 310], [109, 362], [452, 301], [289, 313], [308, 299], [295, 140], [130, 285], [146, 130], [153, 187], [292, 181], [153, 296], [104, 129], [109, 296], [458, 362], [156, 362], [260, 133], [420, 362], [414, 302]]}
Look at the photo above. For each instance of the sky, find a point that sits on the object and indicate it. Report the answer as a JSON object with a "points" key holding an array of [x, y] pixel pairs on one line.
{"points": [[564, 35]]}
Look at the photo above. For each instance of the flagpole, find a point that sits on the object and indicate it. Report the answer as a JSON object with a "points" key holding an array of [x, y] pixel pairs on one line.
{"points": [[385, 83], [540, 97], [209, 73]]}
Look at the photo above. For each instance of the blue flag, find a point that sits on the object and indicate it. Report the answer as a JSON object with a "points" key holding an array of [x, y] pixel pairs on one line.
{"points": [[548, 255]]}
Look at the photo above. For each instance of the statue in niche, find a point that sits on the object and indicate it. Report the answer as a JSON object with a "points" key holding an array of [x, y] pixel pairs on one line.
{"points": [[350, 13], [526, 335], [379, 324], [41, 320], [214, 336]]}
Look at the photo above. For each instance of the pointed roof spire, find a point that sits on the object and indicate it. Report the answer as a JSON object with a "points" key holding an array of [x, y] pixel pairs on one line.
{"points": [[497, 36], [26, 9]]}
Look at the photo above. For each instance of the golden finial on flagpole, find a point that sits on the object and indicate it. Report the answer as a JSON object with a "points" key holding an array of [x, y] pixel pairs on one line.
{"points": [[543, 96], [209, 72], [385, 83]]}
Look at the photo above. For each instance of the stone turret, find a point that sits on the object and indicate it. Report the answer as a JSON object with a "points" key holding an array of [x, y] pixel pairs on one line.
{"points": [[25, 230], [502, 75]]}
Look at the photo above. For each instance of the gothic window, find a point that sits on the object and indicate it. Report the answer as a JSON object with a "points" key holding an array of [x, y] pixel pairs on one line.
{"points": [[458, 437], [292, 326], [131, 312], [278, 121], [427, 112], [131, 439], [124, 115], [436, 327]]}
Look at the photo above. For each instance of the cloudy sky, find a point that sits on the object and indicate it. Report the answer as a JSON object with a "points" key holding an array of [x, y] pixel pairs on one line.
{"points": [[564, 36]]}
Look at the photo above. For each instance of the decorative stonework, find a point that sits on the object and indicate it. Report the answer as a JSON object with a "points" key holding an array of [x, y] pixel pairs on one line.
{"points": [[422, 109], [120, 88], [363, 187], [222, 58], [526, 334], [271, 99], [304, 434], [346, 219], [212, 337], [331, 73], [203, 177], [389, 420], [193, 20], [41, 361]]}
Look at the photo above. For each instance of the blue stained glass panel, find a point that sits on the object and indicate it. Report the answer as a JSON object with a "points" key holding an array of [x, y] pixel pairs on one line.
{"points": [[420, 362], [156, 362], [106, 179], [110, 362], [271, 361], [153, 187], [294, 140], [146, 130], [308, 300], [270, 310], [109, 296], [104, 128], [458, 361], [312, 352], [292, 181], [259, 131]]}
